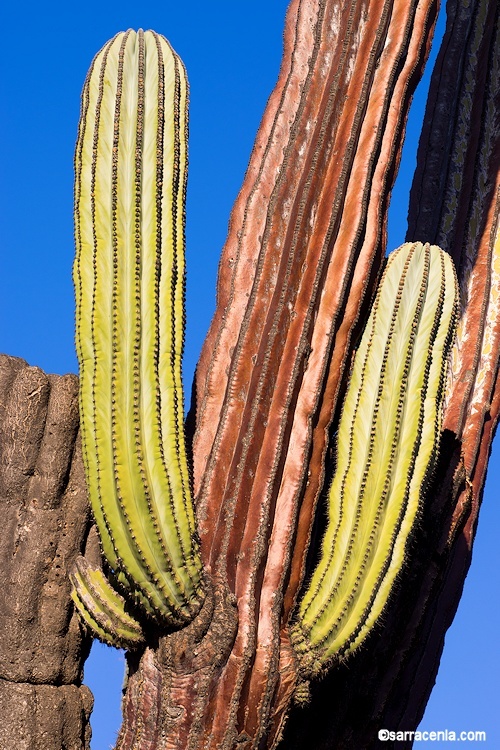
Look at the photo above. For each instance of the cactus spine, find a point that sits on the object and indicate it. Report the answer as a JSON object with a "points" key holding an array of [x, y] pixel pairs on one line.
{"points": [[386, 449], [130, 165]]}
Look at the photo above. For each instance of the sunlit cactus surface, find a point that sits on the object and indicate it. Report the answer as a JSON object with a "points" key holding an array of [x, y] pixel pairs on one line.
{"points": [[324, 382], [129, 278]]}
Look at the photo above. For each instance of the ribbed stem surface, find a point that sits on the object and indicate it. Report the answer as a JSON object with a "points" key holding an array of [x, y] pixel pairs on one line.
{"points": [[386, 449], [130, 164]]}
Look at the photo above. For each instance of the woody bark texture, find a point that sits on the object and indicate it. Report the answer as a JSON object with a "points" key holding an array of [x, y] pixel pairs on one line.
{"points": [[45, 520]]}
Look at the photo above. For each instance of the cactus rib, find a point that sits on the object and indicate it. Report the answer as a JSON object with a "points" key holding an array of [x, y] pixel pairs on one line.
{"points": [[131, 167], [386, 450]]}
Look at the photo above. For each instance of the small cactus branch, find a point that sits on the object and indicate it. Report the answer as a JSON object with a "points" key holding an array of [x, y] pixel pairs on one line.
{"points": [[386, 450], [102, 608], [129, 277], [304, 250]]}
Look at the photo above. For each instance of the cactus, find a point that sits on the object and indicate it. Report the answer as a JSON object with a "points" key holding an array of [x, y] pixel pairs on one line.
{"points": [[300, 267], [386, 451], [102, 609], [302, 261], [222, 616], [130, 169]]}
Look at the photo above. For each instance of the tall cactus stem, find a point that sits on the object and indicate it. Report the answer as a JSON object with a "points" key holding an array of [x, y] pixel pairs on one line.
{"points": [[131, 168]]}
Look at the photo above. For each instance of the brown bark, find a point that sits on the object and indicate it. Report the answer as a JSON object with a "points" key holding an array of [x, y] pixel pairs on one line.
{"points": [[45, 520]]}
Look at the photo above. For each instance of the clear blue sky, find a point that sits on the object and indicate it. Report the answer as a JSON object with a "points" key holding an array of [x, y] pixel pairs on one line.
{"points": [[232, 52]]}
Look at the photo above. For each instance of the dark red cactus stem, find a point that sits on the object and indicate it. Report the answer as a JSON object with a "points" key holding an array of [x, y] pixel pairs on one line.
{"points": [[305, 245], [170, 684]]}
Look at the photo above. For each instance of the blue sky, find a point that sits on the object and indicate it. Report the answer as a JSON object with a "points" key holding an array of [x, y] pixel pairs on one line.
{"points": [[232, 53]]}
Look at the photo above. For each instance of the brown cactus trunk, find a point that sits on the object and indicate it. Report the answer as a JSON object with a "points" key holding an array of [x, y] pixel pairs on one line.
{"points": [[45, 520]]}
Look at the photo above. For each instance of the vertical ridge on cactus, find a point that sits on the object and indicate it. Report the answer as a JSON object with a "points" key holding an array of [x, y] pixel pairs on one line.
{"points": [[386, 450], [129, 277]]}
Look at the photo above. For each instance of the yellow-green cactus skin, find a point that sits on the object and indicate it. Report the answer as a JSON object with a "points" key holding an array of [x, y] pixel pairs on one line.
{"points": [[131, 168], [387, 447], [102, 608]]}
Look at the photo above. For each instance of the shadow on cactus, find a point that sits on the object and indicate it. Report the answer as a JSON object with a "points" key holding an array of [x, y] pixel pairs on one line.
{"points": [[129, 279]]}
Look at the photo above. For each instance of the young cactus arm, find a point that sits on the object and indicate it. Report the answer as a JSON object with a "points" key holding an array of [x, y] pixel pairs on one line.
{"points": [[130, 164], [386, 450], [102, 609]]}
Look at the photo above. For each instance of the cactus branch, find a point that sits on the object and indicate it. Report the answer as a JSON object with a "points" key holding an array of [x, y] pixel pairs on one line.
{"points": [[102, 608], [131, 163], [387, 446]]}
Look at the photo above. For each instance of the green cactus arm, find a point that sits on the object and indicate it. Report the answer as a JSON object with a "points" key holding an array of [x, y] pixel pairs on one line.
{"points": [[130, 164], [102, 609], [386, 449]]}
